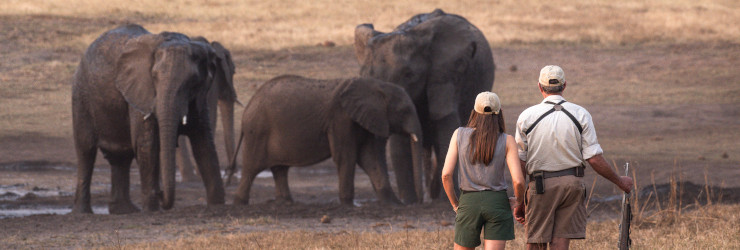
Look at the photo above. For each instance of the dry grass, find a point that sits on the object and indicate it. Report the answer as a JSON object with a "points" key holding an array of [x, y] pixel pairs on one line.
{"points": [[670, 223], [709, 227], [281, 24]]}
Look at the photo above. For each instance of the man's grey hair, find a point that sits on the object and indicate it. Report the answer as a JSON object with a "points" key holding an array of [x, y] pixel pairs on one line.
{"points": [[553, 89]]}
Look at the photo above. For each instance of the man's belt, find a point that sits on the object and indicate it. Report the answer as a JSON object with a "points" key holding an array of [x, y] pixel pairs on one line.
{"points": [[577, 171]]}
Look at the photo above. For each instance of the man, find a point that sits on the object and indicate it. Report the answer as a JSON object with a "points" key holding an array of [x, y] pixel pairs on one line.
{"points": [[555, 137]]}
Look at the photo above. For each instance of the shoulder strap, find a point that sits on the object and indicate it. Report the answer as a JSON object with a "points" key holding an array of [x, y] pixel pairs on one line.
{"points": [[556, 107], [573, 118], [538, 120]]}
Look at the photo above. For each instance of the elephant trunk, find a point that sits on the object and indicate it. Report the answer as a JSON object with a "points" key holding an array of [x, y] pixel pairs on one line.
{"points": [[417, 154], [169, 120], [227, 120], [412, 126]]}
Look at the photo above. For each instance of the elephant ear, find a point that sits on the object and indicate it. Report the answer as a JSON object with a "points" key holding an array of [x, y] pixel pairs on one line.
{"points": [[365, 103], [204, 51], [134, 78], [363, 34], [225, 69]]}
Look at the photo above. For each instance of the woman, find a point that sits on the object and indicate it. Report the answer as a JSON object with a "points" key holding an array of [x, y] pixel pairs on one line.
{"points": [[483, 151]]}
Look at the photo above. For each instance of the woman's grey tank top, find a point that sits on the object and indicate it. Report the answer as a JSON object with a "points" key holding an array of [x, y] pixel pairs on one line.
{"points": [[479, 177]]}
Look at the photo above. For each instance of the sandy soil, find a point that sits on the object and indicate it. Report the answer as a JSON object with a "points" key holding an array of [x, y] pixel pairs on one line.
{"points": [[670, 110]]}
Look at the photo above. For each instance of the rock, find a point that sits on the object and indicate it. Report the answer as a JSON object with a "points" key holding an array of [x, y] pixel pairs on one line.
{"points": [[513, 68], [326, 219], [445, 223], [701, 158], [725, 155]]}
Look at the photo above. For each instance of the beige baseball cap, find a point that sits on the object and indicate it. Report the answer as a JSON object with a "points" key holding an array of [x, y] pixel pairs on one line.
{"points": [[487, 103], [552, 76]]}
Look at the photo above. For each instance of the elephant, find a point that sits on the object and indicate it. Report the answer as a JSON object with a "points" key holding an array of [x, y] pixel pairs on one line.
{"points": [[133, 93], [222, 95], [442, 61], [297, 121]]}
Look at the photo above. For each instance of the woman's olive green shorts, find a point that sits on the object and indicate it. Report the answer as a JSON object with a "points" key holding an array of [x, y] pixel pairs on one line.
{"points": [[476, 210]]}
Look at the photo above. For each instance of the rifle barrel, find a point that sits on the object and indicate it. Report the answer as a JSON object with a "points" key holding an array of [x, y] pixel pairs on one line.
{"points": [[624, 225]]}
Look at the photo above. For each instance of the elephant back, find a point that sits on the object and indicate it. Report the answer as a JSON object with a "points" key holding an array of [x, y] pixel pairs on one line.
{"points": [[291, 97], [103, 54], [472, 68]]}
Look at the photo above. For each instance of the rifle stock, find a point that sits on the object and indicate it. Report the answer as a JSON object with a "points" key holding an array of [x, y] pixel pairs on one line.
{"points": [[624, 225]]}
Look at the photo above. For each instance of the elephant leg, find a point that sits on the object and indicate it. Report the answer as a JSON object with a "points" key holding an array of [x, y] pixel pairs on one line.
{"points": [[444, 128], [250, 170], [204, 151], [184, 163], [282, 191], [343, 146], [346, 172], [372, 160], [86, 148], [86, 152], [401, 161], [120, 183]]}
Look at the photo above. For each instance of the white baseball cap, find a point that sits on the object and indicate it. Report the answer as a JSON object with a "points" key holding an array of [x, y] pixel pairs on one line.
{"points": [[552, 76], [487, 103]]}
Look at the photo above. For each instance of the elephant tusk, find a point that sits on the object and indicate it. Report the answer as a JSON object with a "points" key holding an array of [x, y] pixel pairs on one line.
{"points": [[185, 120], [414, 138], [147, 116]]}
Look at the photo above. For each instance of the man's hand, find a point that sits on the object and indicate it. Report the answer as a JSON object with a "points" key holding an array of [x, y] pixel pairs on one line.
{"points": [[625, 183], [519, 213]]}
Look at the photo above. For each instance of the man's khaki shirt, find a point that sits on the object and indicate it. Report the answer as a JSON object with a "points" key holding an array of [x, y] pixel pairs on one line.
{"points": [[555, 143]]}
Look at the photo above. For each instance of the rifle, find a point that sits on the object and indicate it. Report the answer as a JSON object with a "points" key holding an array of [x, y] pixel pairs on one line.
{"points": [[624, 225]]}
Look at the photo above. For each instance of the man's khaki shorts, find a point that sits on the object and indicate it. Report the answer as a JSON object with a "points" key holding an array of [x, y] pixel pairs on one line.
{"points": [[559, 212]]}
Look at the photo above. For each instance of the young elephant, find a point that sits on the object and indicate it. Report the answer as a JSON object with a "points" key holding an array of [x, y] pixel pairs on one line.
{"points": [[295, 121]]}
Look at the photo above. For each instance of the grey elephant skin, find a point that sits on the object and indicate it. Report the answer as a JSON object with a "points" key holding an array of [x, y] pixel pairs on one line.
{"points": [[133, 93], [442, 61], [296, 121], [221, 96]]}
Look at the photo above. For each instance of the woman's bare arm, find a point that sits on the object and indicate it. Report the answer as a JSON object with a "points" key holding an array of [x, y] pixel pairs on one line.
{"points": [[449, 169], [517, 176]]}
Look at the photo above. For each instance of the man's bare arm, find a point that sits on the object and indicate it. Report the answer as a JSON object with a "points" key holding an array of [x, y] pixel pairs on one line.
{"points": [[599, 164]]}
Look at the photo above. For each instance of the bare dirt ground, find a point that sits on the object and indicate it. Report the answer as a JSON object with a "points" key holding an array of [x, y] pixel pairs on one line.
{"points": [[669, 109]]}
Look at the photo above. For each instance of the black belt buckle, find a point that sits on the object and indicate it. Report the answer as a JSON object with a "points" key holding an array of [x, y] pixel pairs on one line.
{"points": [[580, 171], [539, 182]]}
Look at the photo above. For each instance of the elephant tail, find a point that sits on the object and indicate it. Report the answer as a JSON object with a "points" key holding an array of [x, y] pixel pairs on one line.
{"points": [[232, 164]]}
